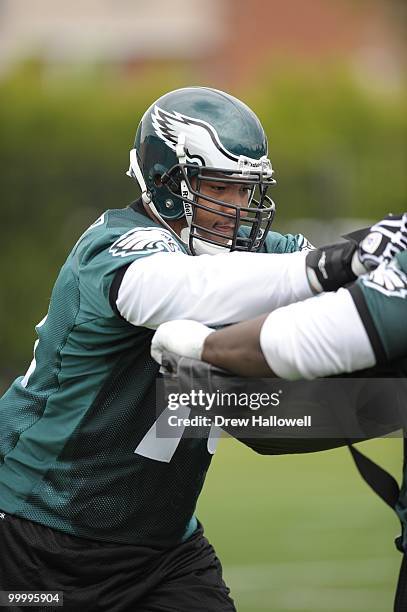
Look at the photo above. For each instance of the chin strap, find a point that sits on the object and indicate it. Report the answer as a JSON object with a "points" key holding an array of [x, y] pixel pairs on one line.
{"points": [[185, 193], [134, 172]]}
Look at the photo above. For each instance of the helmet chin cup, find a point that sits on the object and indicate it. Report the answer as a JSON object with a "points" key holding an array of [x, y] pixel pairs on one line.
{"points": [[204, 248], [200, 247]]}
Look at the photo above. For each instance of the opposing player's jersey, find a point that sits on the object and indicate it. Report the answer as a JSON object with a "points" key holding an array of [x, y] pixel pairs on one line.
{"points": [[74, 430], [381, 299]]}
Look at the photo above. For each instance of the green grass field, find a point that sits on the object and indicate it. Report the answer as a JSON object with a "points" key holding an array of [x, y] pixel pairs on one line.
{"points": [[302, 533]]}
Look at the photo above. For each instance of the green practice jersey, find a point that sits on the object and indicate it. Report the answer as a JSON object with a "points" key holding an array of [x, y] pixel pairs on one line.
{"points": [[70, 427], [381, 299]]}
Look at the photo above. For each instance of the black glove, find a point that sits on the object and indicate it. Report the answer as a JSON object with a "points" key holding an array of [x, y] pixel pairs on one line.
{"points": [[333, 266], [330, 267]]}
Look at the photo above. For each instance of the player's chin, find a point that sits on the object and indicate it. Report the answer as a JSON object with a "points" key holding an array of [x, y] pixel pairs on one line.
{"points": [[216, 237], [223, 233], [222, 241]]}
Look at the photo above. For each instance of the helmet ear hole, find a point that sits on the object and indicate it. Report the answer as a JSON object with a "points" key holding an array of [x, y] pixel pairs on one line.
{"points": [[157, 180]]}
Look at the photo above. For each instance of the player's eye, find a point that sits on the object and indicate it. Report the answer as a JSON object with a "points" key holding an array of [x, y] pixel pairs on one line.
{"points": [[217, 188]]}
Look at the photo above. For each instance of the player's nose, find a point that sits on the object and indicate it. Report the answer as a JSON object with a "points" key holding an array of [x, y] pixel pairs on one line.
{"points": [[237, 197]]}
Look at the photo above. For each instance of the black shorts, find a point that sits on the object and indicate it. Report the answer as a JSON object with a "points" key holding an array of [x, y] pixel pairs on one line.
{"points": [[103, 576]]}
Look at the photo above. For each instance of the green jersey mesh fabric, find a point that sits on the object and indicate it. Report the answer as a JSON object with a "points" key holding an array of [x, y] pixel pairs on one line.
{"points": [[70, 426]]}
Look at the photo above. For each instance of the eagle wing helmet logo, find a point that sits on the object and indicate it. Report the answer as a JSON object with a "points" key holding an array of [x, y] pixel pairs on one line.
{"points": [[202, 143]]}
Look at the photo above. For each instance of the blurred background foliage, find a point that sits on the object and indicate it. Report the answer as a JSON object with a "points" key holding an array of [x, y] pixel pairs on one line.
{"points": [[338, 152]]}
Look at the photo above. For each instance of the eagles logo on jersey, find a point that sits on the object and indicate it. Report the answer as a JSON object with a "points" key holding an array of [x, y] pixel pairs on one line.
{"points": [[143, 240], [388, 279]]}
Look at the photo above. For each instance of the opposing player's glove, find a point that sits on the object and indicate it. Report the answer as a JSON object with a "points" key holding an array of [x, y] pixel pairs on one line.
{"points": [[333, 266], [183, 337], [385, 239]]}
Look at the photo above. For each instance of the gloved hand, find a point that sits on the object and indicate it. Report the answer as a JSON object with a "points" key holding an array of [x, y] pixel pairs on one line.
{"points": [[182, 337], [333, 266], [386, 239], [330, 267]]}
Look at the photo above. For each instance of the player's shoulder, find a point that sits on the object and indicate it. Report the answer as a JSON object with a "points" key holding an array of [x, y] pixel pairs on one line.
{"points": [[281, 243], [123, 233], [286, 243]]}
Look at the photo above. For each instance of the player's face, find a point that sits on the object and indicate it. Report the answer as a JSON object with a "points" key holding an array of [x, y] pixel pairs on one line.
{"points": [[235, 194]]}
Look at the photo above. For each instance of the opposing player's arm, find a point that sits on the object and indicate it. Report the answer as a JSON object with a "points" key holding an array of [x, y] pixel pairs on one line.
{"points": [[342, 332], [237, 348], [321, 336]]}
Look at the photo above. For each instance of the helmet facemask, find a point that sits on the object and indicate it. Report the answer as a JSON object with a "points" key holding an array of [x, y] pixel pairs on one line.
{"points": [[187, 182]]}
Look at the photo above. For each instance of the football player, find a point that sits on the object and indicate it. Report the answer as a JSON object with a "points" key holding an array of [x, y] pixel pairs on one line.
{"points": [[93, 504]]}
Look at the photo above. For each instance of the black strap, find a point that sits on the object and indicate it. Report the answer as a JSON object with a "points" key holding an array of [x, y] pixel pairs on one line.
{"points": [[382, 483], [368, 323]]}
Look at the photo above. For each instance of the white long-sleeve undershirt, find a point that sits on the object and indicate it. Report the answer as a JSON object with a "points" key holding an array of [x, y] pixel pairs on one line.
{"points": [[212, 289]]}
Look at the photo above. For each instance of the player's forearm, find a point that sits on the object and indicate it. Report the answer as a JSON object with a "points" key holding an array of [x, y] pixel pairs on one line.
{"points": [[215, 290], [237, 349], [319, 337]]}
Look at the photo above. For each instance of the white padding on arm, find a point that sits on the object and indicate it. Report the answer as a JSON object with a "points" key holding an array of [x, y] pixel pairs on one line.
{"points": [[321, 336], [212, 289]]}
